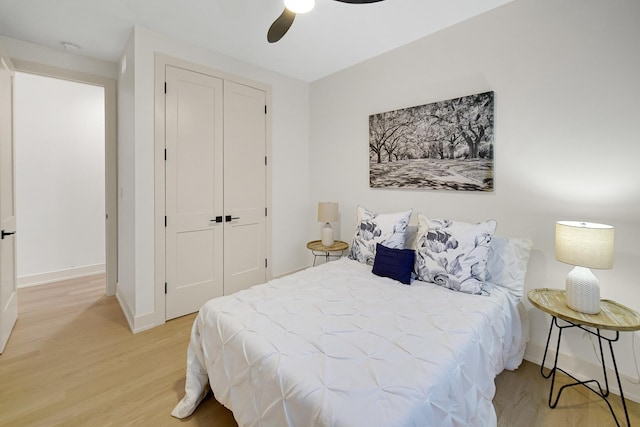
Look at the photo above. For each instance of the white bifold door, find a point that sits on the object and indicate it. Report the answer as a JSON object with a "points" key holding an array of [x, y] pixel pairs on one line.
{"points": [[8, 291], [245, 187], [215, 188]]}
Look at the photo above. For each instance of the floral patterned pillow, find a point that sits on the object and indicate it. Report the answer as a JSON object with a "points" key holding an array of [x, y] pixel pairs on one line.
{"points": [[453, 254], [373, 228]]}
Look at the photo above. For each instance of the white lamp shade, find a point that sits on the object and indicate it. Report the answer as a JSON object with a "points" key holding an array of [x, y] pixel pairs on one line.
{"points": [[299, 6], [585, 244], [327, 212]]}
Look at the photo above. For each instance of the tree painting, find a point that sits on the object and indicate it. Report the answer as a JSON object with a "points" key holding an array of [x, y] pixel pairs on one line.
{"points": [[443, 145]]}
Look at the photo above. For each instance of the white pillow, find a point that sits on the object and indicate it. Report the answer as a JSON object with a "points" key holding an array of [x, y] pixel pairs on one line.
{"points": [[507, 263], [453, 254], [410, 237], [373, 228]]}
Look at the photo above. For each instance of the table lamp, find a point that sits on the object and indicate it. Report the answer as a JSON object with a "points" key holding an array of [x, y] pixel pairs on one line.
{"points": [[327, 212], [584, 245]]}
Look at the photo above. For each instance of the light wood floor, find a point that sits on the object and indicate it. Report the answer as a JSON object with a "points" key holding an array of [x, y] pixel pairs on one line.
{"points": [[72, 361]]}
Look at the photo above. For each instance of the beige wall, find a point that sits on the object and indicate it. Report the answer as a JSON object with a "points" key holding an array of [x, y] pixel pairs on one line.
{"points": [[565, 77]]}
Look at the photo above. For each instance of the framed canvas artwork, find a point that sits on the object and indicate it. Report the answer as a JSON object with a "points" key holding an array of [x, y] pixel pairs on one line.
{"points": [[445, 145]]}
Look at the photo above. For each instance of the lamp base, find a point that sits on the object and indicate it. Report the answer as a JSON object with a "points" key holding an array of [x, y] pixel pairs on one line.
{"points": [[583, 291], [327, 235]]}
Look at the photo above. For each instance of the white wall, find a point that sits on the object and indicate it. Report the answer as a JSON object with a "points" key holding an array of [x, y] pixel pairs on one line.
{"points": [[126, 184], [565, 77], [59, 145], [26, 51], [290, 100]]}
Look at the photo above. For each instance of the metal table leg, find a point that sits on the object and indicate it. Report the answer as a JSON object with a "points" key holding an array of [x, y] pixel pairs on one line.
{"points": [[600, 391], [325, 254]]}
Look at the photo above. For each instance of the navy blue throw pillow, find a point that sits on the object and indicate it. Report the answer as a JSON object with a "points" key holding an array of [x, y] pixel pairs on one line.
{"points": [[396, 264]]}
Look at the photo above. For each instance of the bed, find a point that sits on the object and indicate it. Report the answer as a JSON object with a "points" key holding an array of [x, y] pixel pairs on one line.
{"points": [[336, 345]]}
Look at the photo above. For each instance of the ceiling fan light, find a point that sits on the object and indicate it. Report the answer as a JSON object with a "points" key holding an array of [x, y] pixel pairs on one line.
{"points": [[299, 6]]}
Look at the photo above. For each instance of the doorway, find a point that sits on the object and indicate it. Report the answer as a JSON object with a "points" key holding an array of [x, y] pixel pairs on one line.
{"points": [[59, 165], [107, 201]]}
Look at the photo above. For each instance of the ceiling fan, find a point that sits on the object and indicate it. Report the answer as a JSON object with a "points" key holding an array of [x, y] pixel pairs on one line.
{"points": [[291, 7]]}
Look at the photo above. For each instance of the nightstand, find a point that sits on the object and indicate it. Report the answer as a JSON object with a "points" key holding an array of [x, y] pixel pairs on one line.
{"points": [[612, 317], [318, 249]]}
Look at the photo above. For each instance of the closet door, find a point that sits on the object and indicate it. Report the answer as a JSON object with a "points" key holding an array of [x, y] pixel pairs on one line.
{"points": [[245, 187], [194, 190]]}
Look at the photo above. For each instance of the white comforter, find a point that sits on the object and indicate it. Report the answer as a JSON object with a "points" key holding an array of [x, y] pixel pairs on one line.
{"points": [[336, 345]]}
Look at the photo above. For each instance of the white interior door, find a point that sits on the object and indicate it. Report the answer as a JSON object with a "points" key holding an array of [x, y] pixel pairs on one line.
{"points": [[194, 190], [245, 187], [8, 292]]}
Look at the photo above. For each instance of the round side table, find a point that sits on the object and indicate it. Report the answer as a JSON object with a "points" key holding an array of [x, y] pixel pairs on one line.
{"points": [[613, 317], [318, 249]]}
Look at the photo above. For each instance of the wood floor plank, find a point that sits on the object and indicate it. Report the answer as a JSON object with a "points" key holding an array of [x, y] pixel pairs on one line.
{"points": [[72, 361], [522, 396]]}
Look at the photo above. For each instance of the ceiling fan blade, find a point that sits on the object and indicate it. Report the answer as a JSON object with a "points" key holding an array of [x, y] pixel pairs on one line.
{"points": [[280, 26], [359, 1]]}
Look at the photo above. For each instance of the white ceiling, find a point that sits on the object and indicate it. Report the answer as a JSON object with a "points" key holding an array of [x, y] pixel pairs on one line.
{"points": [[331, 37]]}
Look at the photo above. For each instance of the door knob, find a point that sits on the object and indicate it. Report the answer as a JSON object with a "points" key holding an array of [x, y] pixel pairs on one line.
{"points": [[217, 219], [230, 218], [7, 233]]}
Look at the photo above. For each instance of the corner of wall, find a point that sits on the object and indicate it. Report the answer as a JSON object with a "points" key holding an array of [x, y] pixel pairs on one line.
{"points": [[126, 309], [136, 323]]}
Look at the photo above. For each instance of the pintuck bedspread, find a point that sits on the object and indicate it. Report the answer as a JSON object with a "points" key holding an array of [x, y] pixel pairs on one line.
{"points": [[336, 345]]}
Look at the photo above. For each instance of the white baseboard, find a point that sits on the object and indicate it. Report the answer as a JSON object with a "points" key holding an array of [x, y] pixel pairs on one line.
{"points": [[583, 370], [144, 322], [289, 273], [126, 310], [136, 323], [147, 321], [57, 276]]}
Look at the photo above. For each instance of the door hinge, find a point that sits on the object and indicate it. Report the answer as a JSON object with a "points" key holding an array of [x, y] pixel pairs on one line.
{"points": [[165, 154], [265, 160], [265, 263], [165, 220], [265, 211], [265, 109], [165, 287], [165, 87]]}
